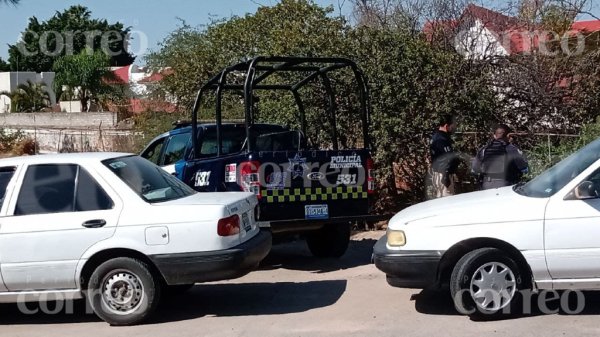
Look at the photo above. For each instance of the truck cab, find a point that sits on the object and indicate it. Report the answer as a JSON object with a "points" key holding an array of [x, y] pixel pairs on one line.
{"points": [[172, 148]]}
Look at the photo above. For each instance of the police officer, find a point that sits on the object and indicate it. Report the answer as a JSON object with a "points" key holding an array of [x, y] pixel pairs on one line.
{"points": [[500, 163], [444, 160]]}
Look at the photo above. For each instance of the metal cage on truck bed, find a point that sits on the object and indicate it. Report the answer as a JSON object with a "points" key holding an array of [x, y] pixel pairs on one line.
{"points": [[257, 70]]}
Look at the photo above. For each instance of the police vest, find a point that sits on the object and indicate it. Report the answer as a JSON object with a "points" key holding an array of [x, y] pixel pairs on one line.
{"points": [[494, 163]]}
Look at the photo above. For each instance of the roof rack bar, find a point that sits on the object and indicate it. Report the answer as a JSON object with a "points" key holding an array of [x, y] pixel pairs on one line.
{"points": [[195, 109], [332, 108], [301, 110], [260, 68], [270, 72], [248, 100], [258, 87], [218, 108], [316, 74]]}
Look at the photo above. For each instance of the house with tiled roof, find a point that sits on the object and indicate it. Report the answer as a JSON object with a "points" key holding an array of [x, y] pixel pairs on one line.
{"points": [[482, 33], [140, 82]]}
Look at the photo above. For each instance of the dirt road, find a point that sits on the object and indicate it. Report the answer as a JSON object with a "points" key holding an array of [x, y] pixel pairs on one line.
{"points": [[296, 295]]}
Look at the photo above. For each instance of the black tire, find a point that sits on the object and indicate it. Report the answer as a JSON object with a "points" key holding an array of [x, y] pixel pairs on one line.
{"points": [[135, 280], [330, 241], [470, 267]]}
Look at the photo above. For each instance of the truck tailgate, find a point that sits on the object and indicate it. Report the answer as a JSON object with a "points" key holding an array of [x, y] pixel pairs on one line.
{"points": [[313, 185]]}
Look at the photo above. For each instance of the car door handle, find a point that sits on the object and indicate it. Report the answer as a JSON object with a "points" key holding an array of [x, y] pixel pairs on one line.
{"points": [[94, 223]]}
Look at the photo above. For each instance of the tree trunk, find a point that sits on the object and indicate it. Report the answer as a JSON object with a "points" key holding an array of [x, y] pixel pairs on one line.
{"points": [[84, 103]]}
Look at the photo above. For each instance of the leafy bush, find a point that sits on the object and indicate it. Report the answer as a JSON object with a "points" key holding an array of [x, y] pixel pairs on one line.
{"points": [[411, 82], [150, 124], [544, 154], [9, 139], [16, 143]]}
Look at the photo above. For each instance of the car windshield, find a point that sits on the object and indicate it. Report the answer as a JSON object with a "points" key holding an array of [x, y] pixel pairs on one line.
{"points": [[149, 181], [554, 179]]}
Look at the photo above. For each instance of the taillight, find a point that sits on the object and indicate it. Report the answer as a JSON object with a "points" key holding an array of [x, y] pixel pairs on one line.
{"points": [[370, 176], [229, 226], [249, 178]]}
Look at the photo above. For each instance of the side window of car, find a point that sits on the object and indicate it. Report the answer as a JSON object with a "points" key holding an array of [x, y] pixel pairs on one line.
{"points": [[47, 189], [208, 147], [89, 195], [152, 153], [6, 174], [232, 141], [176, 148], [60, 188]]}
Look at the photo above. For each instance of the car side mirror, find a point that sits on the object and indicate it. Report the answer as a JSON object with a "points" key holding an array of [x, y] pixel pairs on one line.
{"points": [[585, 191]]}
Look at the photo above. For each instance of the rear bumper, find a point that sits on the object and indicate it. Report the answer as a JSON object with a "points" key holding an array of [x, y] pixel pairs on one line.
{"points": [[407, 269], [301, 225], [189, 268]]}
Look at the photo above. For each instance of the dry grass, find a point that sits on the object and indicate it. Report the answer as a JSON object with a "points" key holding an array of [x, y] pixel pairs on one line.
{"points": [[22, 147], [25, 147]]}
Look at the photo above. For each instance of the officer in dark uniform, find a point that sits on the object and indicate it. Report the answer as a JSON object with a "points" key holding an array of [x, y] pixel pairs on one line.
{"points": [[444, 160], [500, 163]]}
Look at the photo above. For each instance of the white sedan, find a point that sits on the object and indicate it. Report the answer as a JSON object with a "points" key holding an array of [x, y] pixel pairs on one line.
{"points": [[118, 230], [490, 245]]}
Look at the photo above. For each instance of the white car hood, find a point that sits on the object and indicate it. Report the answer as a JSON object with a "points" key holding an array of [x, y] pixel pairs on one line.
{"points": [[490, 206]]}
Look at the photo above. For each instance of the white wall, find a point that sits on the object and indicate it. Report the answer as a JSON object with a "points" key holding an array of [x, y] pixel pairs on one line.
{"points": [[478, 42], [70, 106], [9, 81], [5, 85]]}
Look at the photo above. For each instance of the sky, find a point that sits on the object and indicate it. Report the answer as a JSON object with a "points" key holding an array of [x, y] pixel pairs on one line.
{"points": [[154, 18], [151, 19]]}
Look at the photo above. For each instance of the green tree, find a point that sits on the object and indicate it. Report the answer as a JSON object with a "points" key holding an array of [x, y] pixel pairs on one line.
{"points": [[85, 77], [292, 27], [4, 66], [29, 97], [68, 33], [411, 82]]}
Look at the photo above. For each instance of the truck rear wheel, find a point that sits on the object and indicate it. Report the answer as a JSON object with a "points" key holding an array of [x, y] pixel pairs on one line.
{"points": [[330, 241]]}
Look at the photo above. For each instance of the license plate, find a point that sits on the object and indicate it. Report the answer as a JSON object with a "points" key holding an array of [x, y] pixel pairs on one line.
{"points": [[316, 212], [246, 222]]}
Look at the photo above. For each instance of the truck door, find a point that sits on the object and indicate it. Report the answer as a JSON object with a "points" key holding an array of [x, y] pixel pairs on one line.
{"points": [[174, 152], [154, 151], [208, 172]]}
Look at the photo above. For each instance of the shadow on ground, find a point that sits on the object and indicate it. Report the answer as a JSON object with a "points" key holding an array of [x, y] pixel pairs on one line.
{"points": [[223, 299], [296, 256], [226, 298], [439, 302]]}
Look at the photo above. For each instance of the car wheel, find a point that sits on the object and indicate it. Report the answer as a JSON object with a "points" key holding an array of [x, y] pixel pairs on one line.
{"points": [[123, 291], [486, 282], [330, 241]]}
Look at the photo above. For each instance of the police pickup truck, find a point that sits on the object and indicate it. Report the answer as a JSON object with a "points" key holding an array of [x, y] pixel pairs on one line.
{"points": [[301, 189]]}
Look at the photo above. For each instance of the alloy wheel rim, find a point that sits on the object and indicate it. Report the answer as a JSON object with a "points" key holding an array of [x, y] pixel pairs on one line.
{"points": [[493, 286]]}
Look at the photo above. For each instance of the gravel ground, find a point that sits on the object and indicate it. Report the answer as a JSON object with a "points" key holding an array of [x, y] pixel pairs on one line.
{"points": [[294, 294]]}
